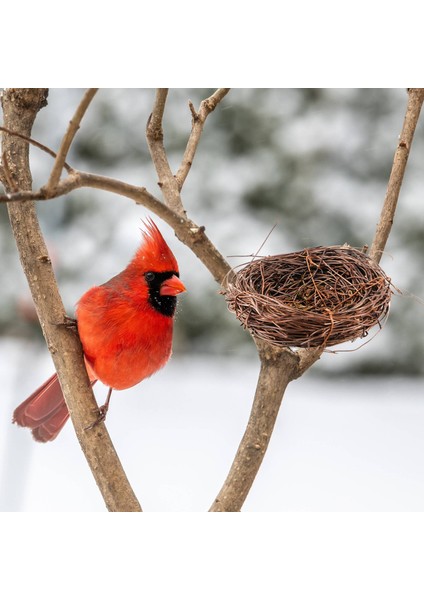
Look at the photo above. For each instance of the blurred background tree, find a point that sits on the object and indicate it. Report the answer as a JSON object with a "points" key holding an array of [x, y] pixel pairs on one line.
{"points": [[313, 162]]}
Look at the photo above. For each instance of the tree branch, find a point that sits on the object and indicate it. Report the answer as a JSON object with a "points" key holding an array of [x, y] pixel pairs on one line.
{"points": [[277, 367], [68, 138], [170, 185], [415, 101], [277, 370], [154, 136], [20, 107], [33, 142], [199, 118], [186, 230]]}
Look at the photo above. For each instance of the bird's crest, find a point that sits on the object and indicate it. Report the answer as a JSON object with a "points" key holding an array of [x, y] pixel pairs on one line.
{"points": [[154, 253]]}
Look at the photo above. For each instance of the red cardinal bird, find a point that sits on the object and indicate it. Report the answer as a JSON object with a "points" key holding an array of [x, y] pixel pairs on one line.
{"points": [[125, 326]]}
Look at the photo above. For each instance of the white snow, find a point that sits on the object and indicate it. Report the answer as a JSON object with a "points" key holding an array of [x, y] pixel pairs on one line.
{"points": [[338, 445]]}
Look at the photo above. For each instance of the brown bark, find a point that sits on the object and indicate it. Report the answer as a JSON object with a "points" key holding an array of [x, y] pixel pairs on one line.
{"points": [[20, 107], [413, 109], [278, 368]]}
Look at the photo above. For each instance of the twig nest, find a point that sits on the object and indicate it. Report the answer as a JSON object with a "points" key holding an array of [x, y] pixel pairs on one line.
{"points": [[317, 297]]}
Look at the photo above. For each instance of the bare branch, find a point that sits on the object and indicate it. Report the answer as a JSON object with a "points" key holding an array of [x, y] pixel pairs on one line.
{"points": [[154, 136], [36, 144], [68, 138], [20, 109], [188, 232], [154, 123], [415, 101], [199, 118], [278, 368]]}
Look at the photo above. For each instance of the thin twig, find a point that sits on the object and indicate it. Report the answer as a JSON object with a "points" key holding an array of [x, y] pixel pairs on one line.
{"points": [[415, 101], [68, 138], [33, 142], [198, 121]]}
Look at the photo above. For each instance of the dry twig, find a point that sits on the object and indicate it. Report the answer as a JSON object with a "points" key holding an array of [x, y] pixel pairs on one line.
{"points": [[68, 139], [413, 109], [33, 142], [198, 121]]}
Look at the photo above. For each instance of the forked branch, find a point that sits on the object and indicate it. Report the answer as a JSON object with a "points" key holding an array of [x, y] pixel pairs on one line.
{"points": [[198, 120], [278, 367]]}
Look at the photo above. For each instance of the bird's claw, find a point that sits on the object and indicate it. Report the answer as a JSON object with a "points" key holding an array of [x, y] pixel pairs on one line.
{"points": [[69, 322], [102, 411]]}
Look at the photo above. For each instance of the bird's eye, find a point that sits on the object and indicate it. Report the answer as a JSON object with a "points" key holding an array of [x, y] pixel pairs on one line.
{"points": [[149, 276]]}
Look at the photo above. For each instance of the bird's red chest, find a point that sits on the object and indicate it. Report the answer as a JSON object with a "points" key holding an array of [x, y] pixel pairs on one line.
{"points": [[127, 362], [123, 342]]}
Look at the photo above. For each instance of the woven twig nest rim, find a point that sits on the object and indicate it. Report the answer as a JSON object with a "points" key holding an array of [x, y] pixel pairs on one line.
{"points": [[316, 297]]}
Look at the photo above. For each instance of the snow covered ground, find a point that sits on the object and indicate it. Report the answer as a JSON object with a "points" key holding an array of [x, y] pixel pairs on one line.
{"points": [[339, 444]]}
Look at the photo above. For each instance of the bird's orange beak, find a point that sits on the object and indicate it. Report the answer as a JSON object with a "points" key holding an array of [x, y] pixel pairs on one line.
{"points": [[172, 287]]}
